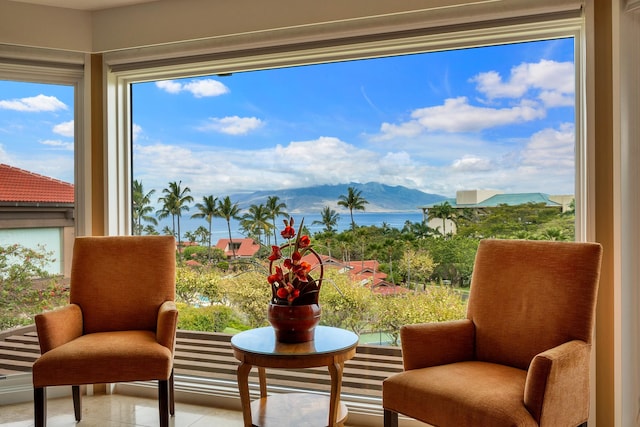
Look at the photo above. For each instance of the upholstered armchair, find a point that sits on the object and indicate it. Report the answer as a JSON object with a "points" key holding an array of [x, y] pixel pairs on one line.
{"points": [[521, 356], [120, 324]]}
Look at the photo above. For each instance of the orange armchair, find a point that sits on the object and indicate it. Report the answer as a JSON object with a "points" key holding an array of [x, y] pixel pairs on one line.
{"points": [[520, 358], [120, 324]]}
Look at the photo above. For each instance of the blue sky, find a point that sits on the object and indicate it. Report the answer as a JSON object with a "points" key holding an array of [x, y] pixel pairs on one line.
{"points": [[487, 118]]}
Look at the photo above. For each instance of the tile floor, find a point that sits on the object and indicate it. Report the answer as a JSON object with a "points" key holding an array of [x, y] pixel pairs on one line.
{"points": [[118, 411]]}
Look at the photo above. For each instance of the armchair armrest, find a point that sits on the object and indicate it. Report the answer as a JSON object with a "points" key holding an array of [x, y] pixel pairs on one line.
{"points": [[557, 381], [441, 343], [58, 327], [167, 324]]}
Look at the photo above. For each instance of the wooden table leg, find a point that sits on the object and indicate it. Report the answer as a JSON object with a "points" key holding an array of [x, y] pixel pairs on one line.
{"points": [[335, 370], [243, 387], [262, 375]]}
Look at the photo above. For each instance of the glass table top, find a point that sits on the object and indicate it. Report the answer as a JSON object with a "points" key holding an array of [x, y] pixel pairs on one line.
{"points": [[263, 341]]}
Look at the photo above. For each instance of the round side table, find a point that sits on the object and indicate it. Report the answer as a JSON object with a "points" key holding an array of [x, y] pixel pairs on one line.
{"points": [[331, 347]]}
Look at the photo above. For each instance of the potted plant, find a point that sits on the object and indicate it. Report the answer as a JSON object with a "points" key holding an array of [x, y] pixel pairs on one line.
{"points": [[294, 310]]}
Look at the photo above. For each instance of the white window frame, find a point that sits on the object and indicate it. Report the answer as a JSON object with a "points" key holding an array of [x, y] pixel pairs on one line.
{"points": [[124, 70], [29, 65]]}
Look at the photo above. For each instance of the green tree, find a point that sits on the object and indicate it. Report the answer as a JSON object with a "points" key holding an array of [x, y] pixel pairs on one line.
{"points": [[207, 209], [213, 318], [203, 236], [328, 218], [174, 202], [345, 304], [25, 286], [436, 304], [142, 208], [228, 210], [256, 221], [352, 200], [443, 211], [275, 209], [416, 266], [249, 293], [454, 258], [512, 221]]}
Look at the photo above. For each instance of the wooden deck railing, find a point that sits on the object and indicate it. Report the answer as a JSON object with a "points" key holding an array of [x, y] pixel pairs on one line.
{"points": [[209, 355]]}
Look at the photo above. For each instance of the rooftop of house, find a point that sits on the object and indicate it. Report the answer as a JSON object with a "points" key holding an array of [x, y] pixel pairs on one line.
{"points": [[21, 186], [244, 247]]}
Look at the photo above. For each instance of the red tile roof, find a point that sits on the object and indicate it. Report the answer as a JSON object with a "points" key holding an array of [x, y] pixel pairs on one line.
{"points": [[246, 247], [18, 185]]}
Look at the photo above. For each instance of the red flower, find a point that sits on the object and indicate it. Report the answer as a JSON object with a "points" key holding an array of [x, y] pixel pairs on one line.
{"points": [[301, 270], [289, 277], [276, 277], [304, 242], [276, 253], [289, 232], [282, 293]]}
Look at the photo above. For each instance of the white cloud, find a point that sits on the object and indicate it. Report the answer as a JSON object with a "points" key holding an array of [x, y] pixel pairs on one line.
{"points": [[554, 82], [170, 86], [64, 129], [544, 162], [232, 125], [199, 88], [403, 130], [207, 87], [34, 104], [57, 144], [457, 115], [551, 149], [471, 163], [136, 132]]}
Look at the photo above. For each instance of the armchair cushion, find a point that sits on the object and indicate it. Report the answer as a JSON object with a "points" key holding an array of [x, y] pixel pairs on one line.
{"points": [[453, 340], [473, 393], [104, 357]]}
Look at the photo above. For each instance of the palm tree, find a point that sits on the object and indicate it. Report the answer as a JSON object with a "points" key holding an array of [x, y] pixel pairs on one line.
{"points": [[329, 218], [207, 210], [353, 200], [175, 202], [274, 210], [257, 220], [141, 207], [443, 211], [228, 210]]}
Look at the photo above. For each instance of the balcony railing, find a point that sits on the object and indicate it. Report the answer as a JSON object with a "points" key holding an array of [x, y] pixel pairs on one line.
{"points": [[209, 356]]}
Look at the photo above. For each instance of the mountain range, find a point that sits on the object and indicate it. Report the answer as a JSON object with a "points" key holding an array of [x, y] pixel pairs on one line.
{"points": [[381, 198]]}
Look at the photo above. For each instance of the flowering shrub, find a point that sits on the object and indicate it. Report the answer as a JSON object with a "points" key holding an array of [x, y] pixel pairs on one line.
{"points": [[289, 273]]}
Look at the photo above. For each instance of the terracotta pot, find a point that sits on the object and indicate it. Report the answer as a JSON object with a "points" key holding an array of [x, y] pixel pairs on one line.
{"points": [[294, 323]]}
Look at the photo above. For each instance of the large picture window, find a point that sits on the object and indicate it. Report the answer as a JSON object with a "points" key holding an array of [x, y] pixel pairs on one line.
{"points": [[439, 149]]}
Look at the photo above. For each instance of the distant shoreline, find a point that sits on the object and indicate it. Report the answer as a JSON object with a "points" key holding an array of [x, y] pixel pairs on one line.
{"points": [[394, 219]]}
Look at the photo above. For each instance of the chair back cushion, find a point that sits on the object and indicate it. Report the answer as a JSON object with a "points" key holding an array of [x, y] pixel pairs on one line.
{"points": [[529, 296], [119, 282]]}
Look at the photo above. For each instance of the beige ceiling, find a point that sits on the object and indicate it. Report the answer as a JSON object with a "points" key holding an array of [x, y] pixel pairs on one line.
{"points": [[85, 4]]}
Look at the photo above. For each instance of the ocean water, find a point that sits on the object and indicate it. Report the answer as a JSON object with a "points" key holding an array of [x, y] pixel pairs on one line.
{"points": [[219, 226]]}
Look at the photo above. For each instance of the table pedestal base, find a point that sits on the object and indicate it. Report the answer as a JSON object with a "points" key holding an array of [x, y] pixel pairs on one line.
{"points": [[294, 410]]}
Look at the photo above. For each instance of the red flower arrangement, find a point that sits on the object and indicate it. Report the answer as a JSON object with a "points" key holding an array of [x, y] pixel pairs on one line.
{"points": [[289, 276]]}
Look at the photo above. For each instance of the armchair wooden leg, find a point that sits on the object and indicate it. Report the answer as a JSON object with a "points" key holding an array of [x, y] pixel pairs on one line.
{"points": [[163, 402], [40, 406], [172, 396], [390, 418], [77, 403]]}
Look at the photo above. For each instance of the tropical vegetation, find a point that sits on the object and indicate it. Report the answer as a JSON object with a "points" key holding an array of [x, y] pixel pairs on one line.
{"points": [[427, 269]]}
